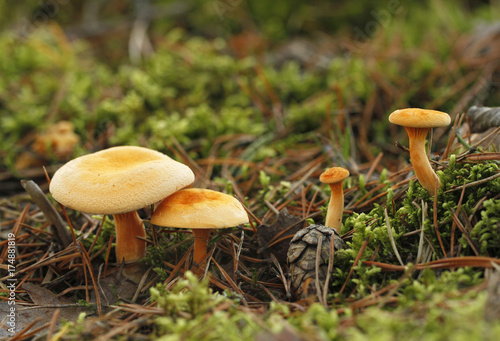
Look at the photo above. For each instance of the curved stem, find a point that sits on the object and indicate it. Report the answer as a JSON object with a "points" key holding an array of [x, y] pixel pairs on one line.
{"points": [[420, 161], [335, 207], [129, 226]]}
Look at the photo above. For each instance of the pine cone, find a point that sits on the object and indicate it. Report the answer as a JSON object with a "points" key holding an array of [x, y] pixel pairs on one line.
{"points": [[302, 257]]}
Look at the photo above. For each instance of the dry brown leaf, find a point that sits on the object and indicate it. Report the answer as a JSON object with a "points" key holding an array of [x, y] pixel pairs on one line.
{"points": [[46, 304]]}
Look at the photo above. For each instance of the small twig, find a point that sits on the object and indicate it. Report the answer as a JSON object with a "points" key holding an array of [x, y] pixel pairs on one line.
{"points": [[238, 253], [271, 207], [99, 283], [15, 231], [52, 325], [453, 226], [421, 241], [228, 279], [356, 261], [330, 268], [436, 228], [457, 221], [391, 237], [464, 155], [494, 133], [276, 238], [475, 183], [444, 263], [403, 148], [98, 233], [178, 266], [297, 184], [21, 334], [461, 140], [283, 278], [107, 254], [268, 292], [61, 233], [318, 257], [87, 262], [48, 261], [251, 215], [451, 138], [374, 165], [483, 157], [65, 213]]}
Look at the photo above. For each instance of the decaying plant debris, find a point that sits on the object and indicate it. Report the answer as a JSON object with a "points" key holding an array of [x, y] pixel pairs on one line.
{"points": [[378, 268], [415, 264]]}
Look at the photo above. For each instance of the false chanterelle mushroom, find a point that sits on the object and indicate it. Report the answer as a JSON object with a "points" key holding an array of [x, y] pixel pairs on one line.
{"points": [[310, 248], [334, 177], [119, 181], [417, 123], [201, 210]]}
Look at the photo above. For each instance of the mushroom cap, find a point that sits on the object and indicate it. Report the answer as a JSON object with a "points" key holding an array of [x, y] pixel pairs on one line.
{"points": [[198, 208], [333, 175], [118, 180], [420, 118]]}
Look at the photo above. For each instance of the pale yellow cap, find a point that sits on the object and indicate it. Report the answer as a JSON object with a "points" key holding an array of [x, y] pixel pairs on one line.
{"points": [[118, 180], [198, 208], [333, 175], [420, 118]]}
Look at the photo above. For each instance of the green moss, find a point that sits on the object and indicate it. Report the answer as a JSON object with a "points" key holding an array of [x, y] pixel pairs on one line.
{"points": [[193, 88], [406, 216], [487, 231], [461, 319], [191, 313]]}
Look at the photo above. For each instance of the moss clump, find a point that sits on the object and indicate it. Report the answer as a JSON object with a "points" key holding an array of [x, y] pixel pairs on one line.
{"points": [[439, 318], [487, 231], [406, 218], [192, 311]]}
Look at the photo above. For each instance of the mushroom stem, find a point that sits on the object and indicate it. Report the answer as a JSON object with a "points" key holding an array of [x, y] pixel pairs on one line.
{"points": [[201, 237], [128, 227], [425, 174], [335, 207]]}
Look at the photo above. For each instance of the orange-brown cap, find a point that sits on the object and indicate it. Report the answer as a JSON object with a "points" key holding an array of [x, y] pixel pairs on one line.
{"points": [[333, 175], [118, 180], [419, 118], [198, 208]]}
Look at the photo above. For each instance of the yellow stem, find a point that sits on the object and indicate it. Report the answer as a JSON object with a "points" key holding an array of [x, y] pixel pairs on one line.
{"points": [[129, 226], [335, 207], [420, 161]]}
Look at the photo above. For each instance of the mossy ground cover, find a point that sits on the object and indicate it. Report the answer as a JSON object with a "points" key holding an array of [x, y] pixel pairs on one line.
{"points": [[258, 103]]}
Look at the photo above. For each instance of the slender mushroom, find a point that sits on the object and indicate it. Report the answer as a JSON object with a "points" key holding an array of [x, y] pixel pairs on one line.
{"points": [[119, 181], [417, 123], [200, 210], [334, 178]]}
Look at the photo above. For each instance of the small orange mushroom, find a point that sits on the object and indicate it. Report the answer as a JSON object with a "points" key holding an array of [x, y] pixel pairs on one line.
{"points": [[334, 178], [119, 181], [201, 210], [417, 123]]}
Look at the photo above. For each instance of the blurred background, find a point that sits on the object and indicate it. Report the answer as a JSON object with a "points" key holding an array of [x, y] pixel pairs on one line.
{"points": [[279, 85]]}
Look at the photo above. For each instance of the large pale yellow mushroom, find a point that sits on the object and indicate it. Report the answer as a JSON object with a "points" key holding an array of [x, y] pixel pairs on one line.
{"points": [[119, 181], [334, 177], [201, 210], [417, 123]]}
